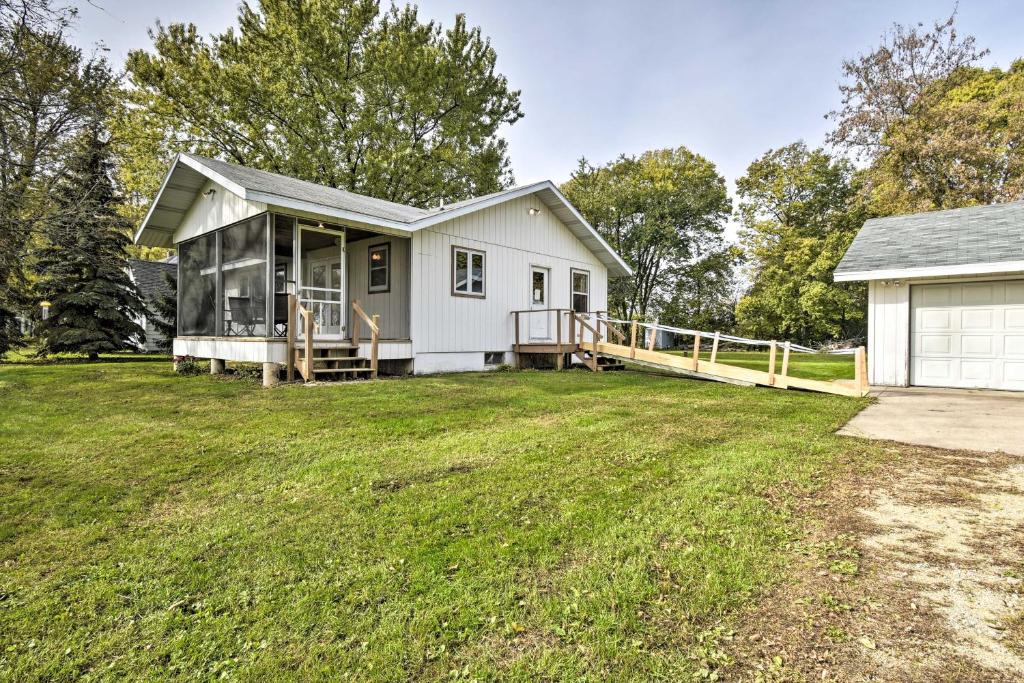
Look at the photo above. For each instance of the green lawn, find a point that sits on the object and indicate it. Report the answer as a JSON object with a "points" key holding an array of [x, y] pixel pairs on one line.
{"points": [[517, 525], [805, 365]]}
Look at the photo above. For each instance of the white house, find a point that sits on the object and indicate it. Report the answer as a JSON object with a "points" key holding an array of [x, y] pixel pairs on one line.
{"points": [[945, 297], [444, 281]]}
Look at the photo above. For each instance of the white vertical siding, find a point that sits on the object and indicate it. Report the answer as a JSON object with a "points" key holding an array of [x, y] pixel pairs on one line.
{"points": [[222, 208], [513, 242], [888, 333], [392, 306]]}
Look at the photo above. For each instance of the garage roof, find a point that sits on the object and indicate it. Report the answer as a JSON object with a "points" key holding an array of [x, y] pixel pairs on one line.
{"points": [[189, 172], [975, 240]]}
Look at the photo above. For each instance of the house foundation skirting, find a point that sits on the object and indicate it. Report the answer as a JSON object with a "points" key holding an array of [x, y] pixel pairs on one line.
{"points": [[263, 350]]}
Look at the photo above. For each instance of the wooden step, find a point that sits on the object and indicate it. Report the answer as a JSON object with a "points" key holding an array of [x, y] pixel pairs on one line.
{"points": [[324, 363], [339, 371], [328, 353]]}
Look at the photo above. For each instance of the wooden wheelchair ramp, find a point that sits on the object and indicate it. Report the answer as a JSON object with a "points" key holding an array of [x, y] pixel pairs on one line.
{"points": [[704, 369]]}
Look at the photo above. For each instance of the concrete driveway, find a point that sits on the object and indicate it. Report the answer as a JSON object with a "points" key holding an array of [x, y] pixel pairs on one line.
{"points": [[960, 419]]}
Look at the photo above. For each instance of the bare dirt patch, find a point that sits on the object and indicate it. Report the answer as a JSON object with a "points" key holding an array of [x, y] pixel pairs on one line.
{"points": [[912, 572]]}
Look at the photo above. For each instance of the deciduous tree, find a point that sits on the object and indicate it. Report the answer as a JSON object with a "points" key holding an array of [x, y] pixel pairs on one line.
{"points": [[881, 88], [800, 210], [961, 145], [661, 211], [333, 91]]}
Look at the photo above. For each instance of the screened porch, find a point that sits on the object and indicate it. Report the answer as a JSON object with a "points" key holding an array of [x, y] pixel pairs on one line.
{"points": [[234, 282]]}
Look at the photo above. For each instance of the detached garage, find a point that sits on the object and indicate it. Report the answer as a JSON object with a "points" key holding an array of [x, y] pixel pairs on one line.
{"points": [[945, 297]]}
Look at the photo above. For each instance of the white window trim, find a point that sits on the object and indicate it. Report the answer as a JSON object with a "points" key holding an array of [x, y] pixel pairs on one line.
{"points": [[572, 287], [470, 253], [386, 287]]}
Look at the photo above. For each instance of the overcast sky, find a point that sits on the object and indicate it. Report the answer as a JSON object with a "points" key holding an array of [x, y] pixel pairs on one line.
{"points": [[729, 80]]}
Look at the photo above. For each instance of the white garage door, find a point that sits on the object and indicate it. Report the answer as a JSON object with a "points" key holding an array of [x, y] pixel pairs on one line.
{"points": [[968, 335]]}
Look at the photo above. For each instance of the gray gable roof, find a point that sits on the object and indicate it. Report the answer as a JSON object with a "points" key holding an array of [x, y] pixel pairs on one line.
{"points": [[285, 186], [189, 173], [956, 237], [149, 277]]}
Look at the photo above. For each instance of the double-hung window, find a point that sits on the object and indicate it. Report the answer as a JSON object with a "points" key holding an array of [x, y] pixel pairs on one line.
{"points": [[468, 275], [580, 291], [379, 268]]}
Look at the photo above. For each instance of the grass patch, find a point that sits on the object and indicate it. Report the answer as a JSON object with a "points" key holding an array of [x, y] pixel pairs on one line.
{"points": [[515, 525]]}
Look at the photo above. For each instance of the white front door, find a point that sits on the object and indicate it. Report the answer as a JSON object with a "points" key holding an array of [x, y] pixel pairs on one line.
{"points": [[539, 319], [968, 335], [321, 278]]}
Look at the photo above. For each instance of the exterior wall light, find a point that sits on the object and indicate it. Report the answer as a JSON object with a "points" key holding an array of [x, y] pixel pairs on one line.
{"points": [[210, 192], [45, 310], [533, 211]]}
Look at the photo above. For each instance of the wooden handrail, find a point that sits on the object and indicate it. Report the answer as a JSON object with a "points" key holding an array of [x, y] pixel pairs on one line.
{"points": [[541, 310], [362, 314], [359, 316], [614, 330], [597, 339], [292, 299], [299, 314], [308, 327]]}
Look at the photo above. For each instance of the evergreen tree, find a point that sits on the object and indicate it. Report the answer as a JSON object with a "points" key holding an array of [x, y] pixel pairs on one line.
{"points": [[165, 306], [82, 265]]}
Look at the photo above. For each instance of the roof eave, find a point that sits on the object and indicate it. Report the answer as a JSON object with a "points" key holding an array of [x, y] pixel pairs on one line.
{"points": [[964, 269]]}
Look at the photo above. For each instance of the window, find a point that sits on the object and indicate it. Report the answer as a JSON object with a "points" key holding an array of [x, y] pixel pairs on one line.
{"points": [[243, 272], [379, 268], [197, 286], [580, 291], [467, 272], [539, 286]]}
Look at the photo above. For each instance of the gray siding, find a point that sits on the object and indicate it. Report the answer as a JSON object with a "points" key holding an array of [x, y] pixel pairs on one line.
{"points": [[392, 306]]}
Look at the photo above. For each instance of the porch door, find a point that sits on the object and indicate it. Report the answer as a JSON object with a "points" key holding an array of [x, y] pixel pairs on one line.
{"points": [[321, 279], [539, 319]]}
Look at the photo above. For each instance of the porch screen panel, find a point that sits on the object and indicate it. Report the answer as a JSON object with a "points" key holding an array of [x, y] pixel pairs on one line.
{"points": [[244, 273], [284, 271], [197, 287]]}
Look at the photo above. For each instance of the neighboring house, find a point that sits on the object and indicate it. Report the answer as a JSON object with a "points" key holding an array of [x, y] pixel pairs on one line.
{"points": [[444, 281], [149, 278], [665, 340], [945, 297]]}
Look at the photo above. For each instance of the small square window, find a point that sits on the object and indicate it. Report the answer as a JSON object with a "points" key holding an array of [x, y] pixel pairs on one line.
{"points": [[379, 268], [468, 274], [494, 357]]}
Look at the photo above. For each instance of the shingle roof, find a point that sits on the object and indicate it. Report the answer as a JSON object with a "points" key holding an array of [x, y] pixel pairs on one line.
{"points": [[149, 277], [956, 237], [285, 186], [190, 172]]}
